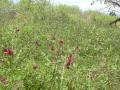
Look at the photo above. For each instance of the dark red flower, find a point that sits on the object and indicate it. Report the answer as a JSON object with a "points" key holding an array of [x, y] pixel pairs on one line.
{"points": [[70, 61], [8, 52], [61, 43]]}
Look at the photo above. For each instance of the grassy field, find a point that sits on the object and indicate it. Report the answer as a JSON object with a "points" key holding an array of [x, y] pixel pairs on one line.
{"points": [[46, 47]]}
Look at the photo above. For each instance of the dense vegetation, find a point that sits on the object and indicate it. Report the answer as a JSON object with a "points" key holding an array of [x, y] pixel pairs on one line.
{"points": [[47, 47]]}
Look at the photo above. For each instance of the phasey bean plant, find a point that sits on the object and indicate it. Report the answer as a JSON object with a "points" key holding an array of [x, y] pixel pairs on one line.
{"points": [[57, 47]]}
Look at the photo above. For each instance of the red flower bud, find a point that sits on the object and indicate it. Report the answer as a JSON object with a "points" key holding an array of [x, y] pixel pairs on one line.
{"points": [[8, 52]]}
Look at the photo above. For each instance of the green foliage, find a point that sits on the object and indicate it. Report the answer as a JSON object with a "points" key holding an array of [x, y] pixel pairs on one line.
{"points": [[43, 37]]}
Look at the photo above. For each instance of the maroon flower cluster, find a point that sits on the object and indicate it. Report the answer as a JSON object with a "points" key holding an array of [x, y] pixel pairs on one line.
{"points": [[70, 61], [8, 52]]}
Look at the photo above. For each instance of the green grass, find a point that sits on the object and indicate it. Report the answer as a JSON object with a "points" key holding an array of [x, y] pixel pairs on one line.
{"points": [[34, 66]]}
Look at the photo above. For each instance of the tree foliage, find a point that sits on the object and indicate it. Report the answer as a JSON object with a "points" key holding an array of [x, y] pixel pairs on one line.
{"points": [[113, 6]]}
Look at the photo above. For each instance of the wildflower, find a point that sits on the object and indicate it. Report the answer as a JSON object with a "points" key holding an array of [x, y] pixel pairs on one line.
{"points": [[51, 48], [61, 43], [3, 79], [35, 66], [70, 61], [8, 52]]}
